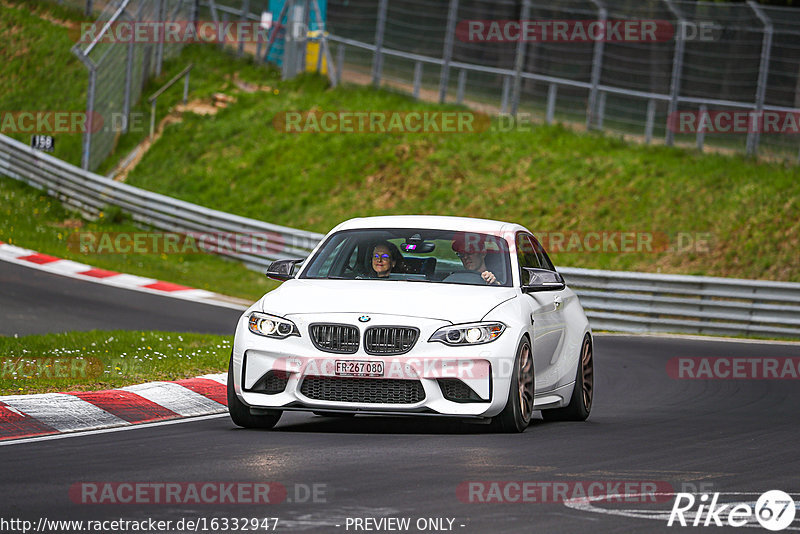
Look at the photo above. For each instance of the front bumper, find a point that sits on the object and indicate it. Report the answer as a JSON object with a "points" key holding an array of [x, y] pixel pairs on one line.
{"points": [[293, 374]]}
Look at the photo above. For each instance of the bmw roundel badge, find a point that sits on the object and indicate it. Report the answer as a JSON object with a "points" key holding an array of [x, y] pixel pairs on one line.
{"points": [[364, 318]]}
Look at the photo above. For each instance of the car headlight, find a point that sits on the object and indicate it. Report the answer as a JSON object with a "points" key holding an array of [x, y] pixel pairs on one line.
{"points": [[468, 334], [271, 326]]}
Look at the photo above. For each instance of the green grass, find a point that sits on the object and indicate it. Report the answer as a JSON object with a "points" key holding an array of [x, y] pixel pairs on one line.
{"points": [[549, 179], [34, 220], [38, 70], [97, 360]]}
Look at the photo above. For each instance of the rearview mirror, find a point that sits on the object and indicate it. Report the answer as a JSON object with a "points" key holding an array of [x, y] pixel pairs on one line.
{"points": [[282, 270], [416, 245], [541, 280]]}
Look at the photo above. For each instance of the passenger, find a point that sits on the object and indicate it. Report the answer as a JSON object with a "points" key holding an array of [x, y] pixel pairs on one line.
{"points": [[385, 257], [473, 257]]}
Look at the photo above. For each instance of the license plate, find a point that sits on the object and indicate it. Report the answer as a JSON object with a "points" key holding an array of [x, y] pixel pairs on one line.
{"points": [[358, 368]]}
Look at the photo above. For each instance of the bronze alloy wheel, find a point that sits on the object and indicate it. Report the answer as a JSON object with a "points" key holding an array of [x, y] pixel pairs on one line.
{"points": [[587, 366], [525, 381], [580, 403], [516, 415]]}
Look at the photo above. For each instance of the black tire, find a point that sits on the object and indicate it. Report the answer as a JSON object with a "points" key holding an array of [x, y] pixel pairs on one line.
{"points": [[516, 416], [580, 403], [240, 412]]}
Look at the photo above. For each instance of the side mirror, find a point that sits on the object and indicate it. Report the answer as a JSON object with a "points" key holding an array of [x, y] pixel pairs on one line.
{"points": [[541, 280], [282, 270]]}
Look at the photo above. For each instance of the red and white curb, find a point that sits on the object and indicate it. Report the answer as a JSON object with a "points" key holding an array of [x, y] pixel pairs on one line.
{"points": [[26, 416], [72, 269]]}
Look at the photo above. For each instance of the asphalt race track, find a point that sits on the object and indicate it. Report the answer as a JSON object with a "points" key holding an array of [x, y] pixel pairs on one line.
{"points": [[736, 437], [38, 302]]}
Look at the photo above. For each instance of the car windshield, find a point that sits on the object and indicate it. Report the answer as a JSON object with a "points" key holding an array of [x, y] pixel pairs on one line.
{"points": [[415, 255]]}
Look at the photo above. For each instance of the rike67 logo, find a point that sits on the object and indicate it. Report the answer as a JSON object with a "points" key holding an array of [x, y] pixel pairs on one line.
{"points": [[774, 510]]}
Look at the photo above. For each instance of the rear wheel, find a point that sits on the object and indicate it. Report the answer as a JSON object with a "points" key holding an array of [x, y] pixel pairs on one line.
{"points": [[580, 404], [240, 412], [519, 405]]}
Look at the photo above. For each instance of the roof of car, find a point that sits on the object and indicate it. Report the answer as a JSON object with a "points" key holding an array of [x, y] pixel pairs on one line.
{"points": [[440, 222]]}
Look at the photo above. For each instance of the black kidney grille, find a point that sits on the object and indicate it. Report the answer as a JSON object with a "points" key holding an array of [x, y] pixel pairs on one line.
{"points": [[372, 390], [338, 338], [390, 339]]}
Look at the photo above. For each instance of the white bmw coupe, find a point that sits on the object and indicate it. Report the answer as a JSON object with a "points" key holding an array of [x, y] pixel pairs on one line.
{"points": [[416, 315]]}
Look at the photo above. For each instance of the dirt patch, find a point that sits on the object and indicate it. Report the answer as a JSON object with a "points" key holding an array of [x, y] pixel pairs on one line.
{"points": [[247, 87], [68, 223], [198, 107]]}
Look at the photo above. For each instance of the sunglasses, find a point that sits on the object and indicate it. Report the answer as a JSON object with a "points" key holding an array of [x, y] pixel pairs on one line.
{"points": [[381, 256]]}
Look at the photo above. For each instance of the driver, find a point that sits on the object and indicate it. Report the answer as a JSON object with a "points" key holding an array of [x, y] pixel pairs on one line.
{"points": [[385, 257], [471, 250]]}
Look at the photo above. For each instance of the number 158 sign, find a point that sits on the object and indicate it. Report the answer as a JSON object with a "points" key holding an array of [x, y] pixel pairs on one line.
{"points": [[43, 142]]}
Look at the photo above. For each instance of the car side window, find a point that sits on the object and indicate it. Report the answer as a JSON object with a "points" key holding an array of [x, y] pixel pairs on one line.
{"points": [[544, 259], [526, 256], [325, 269]]}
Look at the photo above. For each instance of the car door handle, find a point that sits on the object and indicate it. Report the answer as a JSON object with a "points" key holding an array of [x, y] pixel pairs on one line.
{"points": [[557, 301]]}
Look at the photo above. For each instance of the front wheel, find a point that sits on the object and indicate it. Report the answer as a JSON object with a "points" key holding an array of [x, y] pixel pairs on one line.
{"points": [[240, 412], [519, 406], [580, 403]]}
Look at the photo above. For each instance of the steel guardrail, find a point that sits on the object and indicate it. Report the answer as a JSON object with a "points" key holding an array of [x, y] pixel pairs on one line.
{"points": [[613, 300]]}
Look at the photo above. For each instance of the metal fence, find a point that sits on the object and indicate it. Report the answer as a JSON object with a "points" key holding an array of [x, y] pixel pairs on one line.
{"points": [[119, 70], [621, 301], [712, 57]]}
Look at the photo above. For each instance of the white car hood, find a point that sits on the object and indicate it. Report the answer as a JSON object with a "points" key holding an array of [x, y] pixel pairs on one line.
{"points": [[456, 303]]}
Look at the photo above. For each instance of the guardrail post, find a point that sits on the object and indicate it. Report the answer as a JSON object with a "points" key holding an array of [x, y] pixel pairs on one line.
{"points": [[245, 12], [195, 10], [504, 95], [757, 121], [651, 118], [551, 103], [519, 59], [417, 78], [597, 69], [677, 70], [160, 36], [339, 61], [186, 89], [88, 8], [324, 46], [377, 59], [87, 135], [701, 133], [601, 109], [447, 53], [126, 101], [221, 30], [462, 83]]}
